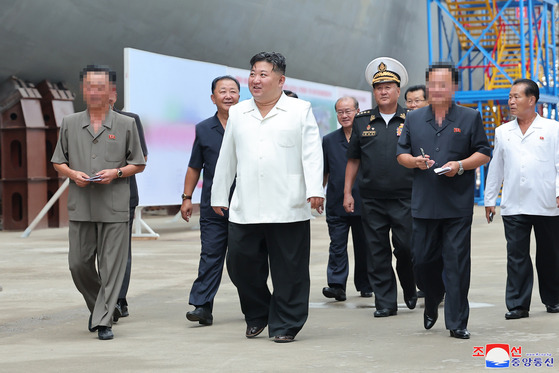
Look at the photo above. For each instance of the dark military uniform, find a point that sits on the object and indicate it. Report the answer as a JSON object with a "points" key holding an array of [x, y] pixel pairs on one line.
{"points": [[385, 190]]}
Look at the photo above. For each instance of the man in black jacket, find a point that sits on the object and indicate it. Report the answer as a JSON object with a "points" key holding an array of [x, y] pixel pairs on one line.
{"points": [[385, 187]]}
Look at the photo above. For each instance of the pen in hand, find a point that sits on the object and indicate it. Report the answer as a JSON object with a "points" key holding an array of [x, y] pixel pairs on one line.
{"points": [[423, 155]]}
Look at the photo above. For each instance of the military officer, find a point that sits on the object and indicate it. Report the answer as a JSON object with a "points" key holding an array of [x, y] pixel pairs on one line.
{"points": [[385, 187]]}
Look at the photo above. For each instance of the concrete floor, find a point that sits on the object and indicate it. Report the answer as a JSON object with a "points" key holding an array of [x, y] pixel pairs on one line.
{"points": [[43, 318]]}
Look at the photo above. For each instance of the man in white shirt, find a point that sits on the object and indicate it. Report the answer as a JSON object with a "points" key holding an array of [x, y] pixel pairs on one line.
{"points": [[526, 162], [272, 148]]}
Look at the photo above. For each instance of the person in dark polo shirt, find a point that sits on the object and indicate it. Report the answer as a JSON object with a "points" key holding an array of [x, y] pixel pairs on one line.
{"points": [[213, 228], [452, 137], [385, 187], [334, 148]]}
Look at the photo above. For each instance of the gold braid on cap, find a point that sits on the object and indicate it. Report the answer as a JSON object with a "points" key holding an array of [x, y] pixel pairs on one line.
{"points": [[383, 75]]}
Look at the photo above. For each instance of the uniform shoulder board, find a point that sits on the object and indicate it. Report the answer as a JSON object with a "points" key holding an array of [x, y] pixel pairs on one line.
{"points": [[363, 113]]}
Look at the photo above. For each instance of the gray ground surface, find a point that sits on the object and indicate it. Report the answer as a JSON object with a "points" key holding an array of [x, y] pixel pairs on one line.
{"points": [[43, 318]]}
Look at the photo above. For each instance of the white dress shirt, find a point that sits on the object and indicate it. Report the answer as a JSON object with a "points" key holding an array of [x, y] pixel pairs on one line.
{"points": [[527, 166], [276, 161]]}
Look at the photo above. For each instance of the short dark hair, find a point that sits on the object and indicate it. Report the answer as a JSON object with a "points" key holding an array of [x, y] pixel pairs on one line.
{"points": [[99, 68], [276, 59], [444, 66], [290, 93], [530, 87], [414, 88], [355, 102], [223, 77]]}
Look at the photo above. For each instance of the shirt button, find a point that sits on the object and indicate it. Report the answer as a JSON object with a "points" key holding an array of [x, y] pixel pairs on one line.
{"points": [[95, 141], [437, 149], [94, 156], [438, 134]]}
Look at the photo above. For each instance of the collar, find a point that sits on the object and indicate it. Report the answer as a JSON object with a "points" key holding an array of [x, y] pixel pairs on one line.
{"points": [[281, 105], [107, 123], [217, 124], [449, 117], [400, 113]]}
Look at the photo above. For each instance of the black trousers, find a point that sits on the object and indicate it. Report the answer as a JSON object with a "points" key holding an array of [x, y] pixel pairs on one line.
{"points": [[520, 275], [380, 216], [441, 252], [126, 280], [286, 247], [213, 236], [338, 263]]}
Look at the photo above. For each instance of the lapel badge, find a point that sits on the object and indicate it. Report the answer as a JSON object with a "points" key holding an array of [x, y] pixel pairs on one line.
{"points": [[403, 115], [372, 118], [112, 137], [368, 127], [457, 130], [541, 137]]}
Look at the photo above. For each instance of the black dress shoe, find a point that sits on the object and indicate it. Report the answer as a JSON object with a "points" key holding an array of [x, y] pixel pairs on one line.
{"points": [[552, 309], [201, 314], [411, 301], [283, 338], [420, 294], [117, 313], [517, 314], [123, 307], [385, 312], [337, 293], [91, 328], [431, 312], [460, 333], [253, 331], [105, 333], [366, 294]]}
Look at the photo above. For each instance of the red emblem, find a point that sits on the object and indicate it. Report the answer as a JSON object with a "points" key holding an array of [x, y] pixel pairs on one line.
{"points": [[457, 130], [112, 137], [541, 137], [368, 127]]}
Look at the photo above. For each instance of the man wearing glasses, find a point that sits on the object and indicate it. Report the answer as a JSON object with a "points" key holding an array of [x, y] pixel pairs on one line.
{"points": [[416, 97], [385, 187], [334, 147]]}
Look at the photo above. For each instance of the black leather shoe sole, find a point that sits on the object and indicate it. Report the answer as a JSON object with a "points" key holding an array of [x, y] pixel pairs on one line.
{"points": [[283, 338], [253, 331], [202, 319], [385, 312], [460, 333], [516, 314], [336, 293], [552, 309]]}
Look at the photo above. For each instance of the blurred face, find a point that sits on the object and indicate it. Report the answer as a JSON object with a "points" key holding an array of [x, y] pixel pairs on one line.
{"points": [[520, 105], [415, 100], [226, 94], [96, 89], [440, 87], [264, 84], [386, 94], [345, 110]]}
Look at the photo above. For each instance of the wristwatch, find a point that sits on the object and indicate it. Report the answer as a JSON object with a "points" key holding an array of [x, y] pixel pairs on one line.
{"points": [[185, 196], [460, 168], [118, 172]]}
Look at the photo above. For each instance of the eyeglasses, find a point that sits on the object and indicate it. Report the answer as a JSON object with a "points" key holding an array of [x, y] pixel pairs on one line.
{"points": [[417, 102], [346, 112]]}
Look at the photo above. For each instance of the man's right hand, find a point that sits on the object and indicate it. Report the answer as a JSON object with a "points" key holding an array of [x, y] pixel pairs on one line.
{"points": [[349, 203], [489, 210], [186, 209], [80, 178], [219, 210]]}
